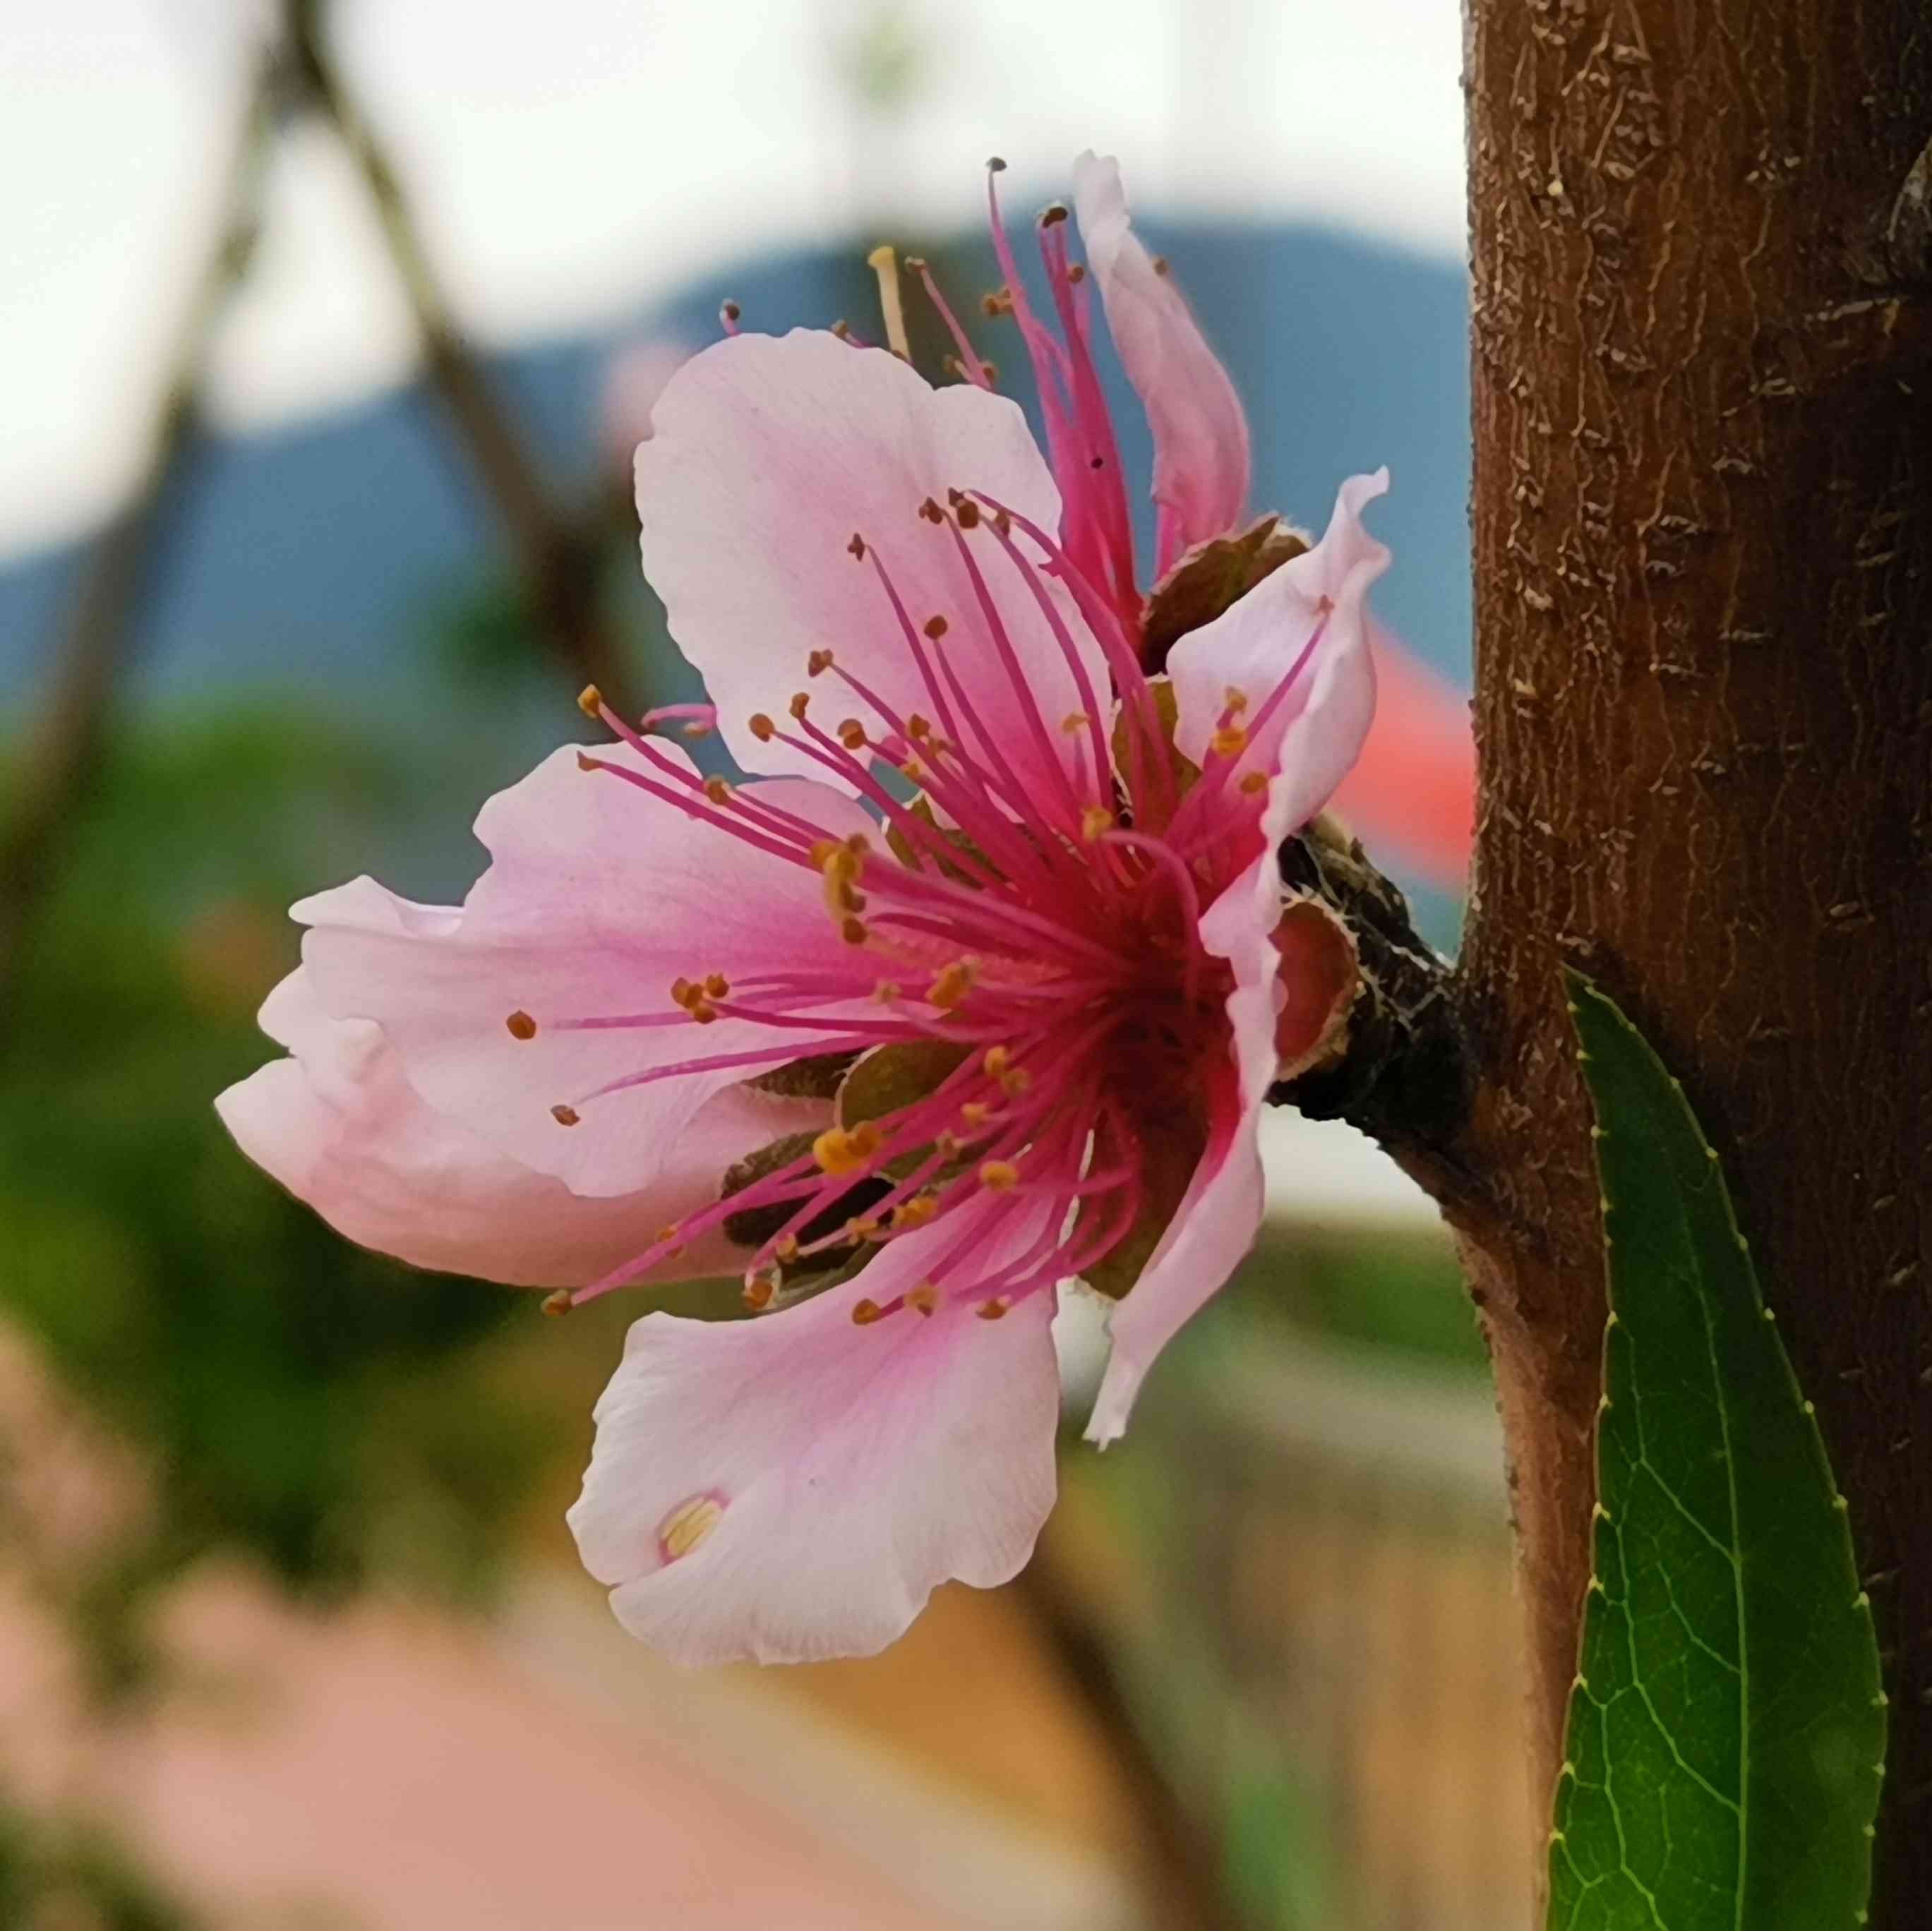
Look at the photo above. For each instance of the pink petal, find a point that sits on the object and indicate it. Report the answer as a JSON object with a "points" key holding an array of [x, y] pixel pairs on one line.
{"points": [[768, 455], [1215, 1226], [847, 1471], [1200, 461], [1413, 789], [598, 895], [1316, 733], [338, 1125]]}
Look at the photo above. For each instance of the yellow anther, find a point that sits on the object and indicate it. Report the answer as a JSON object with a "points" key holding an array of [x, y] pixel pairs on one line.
{"points": [[590, 701], [1230, 741], [967, 511], [976, 1112], [884, 264], [521, 1025], [865, 1227], [853, 932], [785, 1247], [1096, 822], [852, 735], [946, 1145], [585, 762], [935, 627], [560, 1303], [1015, 1083], [1076, 273], [1160, 265], [952, 984], [718, 791], [925, 1297], [931, 512], [886, 992], [997, 1060], [1237, 701], [822, 850], [915, 1212], [762, 728], [697, 728], [801, 701], [1075, 722], [992, 1310], [688, 1524], [865, 1312], [819, 660], [998, 1176], [913, 770], [1252, 782], [683, 993], [704, 1014], [857, 546], [758, 1292], [918, 728], [858, 845], [716, 985], [838, 1151], [565, 1116]]}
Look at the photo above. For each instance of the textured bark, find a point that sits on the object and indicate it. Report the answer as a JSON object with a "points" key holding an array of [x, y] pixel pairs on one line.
{"points": [[1703, 567]]}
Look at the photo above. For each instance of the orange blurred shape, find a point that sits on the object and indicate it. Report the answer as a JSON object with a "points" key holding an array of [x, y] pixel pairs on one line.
{"points": [[1411, 797]]}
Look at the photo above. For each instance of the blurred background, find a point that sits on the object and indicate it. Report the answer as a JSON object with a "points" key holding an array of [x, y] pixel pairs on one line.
{"points": [[328, 331]]}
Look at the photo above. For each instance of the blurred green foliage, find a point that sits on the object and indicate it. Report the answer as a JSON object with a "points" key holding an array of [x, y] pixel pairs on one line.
{"points": [[292, 1400]]}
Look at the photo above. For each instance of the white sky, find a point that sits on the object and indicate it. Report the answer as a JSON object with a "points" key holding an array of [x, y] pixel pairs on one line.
{"points": [[575, 158]]}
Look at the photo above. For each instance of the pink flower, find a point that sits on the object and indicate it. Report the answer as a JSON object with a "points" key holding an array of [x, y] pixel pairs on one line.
{"points": [[1008, 906]]}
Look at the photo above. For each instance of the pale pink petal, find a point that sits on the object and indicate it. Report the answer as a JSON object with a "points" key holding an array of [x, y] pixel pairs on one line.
{"points": [[598, 895], [846, 1471], [768, 455], [1316, 733], [1412, 792], [1215, 1226], [337, 1124], [1201, 460]]}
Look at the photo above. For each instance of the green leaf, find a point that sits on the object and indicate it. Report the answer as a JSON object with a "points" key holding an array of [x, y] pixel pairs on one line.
{"points": [[1727, 1727]]}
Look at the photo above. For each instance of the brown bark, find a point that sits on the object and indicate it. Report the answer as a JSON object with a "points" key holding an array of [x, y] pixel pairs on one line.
{"points": [[1703, 566]]}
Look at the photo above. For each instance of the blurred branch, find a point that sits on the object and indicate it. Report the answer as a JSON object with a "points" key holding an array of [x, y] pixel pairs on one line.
{"points": [[1183, 1869], [62, 743], [559, 559]]}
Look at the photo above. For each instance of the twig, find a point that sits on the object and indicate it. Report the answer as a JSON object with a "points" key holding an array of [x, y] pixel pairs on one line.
{"points": [[62, 744], [559, 560], [1186, 1879]]}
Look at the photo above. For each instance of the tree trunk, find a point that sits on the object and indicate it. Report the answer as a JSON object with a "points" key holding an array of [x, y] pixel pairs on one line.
{"points": [[1703, 567]]}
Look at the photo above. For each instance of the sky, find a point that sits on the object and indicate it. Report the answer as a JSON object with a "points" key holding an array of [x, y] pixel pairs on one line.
{"points": [[575, 161]]}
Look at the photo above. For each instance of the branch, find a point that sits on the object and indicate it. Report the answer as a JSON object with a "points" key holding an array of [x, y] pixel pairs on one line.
{"points": [[559, 560], [62, 744]]}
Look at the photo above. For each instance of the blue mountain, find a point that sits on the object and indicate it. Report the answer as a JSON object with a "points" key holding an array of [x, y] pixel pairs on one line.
{"points": [[312, 558]]}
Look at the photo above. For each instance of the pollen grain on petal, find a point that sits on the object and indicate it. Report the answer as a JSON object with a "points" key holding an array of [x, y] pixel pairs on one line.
{"points": [[688, 1524]]}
